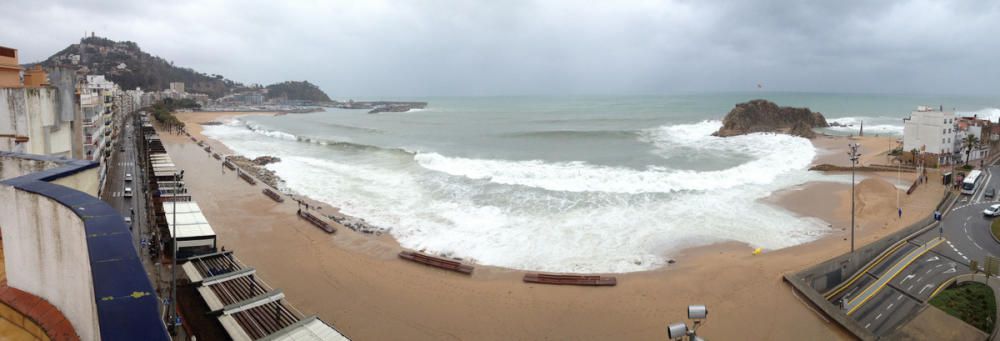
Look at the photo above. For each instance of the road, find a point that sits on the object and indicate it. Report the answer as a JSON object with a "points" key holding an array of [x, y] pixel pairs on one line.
{"points": [[123, 162], [896, 288]]}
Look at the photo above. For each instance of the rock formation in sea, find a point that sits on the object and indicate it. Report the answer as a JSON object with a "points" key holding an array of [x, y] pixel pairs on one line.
{"points": [[758, 116]]}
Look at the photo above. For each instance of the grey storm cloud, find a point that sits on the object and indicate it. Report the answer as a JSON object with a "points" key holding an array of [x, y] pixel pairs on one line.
{"points": [[415, 48]]}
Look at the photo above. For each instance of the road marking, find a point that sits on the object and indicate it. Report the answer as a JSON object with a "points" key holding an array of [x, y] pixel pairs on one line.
{"points": [[868, 325], [879, 316], [928, 286], [906, 278], [890, 306], [891, 273], [928, 271], [900, 297], [910, 288]]}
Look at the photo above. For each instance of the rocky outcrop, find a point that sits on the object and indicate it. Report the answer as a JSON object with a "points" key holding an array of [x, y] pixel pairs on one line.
{"points": [[256, 168], [760, 116]]}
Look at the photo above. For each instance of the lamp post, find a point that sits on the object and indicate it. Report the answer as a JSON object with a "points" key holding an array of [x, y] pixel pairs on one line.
{"points": [[854, 156], [173, 267]]}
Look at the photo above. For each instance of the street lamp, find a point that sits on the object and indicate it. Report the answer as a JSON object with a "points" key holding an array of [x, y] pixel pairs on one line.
{"points": [[854, 156], [697, 313], [173, 267]]}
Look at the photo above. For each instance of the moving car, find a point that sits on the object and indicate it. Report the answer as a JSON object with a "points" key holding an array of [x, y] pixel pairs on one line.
{"points": [[990, 193], [992, 211], [128, 220], [128, 192], [128, 176]]}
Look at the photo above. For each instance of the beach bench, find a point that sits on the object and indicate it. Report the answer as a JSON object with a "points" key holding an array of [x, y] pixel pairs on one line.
{"points": [[316, 221], [274, 196], [208, 149], [246, 177], [590, 280], [436, 262], [216, 156], [229, 165]]}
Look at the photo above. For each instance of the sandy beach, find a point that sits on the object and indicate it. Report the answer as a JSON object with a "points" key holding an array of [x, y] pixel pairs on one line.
{"points": [[355, 281]]}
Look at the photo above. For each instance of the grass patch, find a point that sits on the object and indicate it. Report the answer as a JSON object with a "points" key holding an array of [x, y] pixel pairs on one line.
{"points": [[970, 302], [996, 228]]}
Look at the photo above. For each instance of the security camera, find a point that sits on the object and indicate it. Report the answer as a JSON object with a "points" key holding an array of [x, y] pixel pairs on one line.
{"points": [[677, 331], [697, 312]]}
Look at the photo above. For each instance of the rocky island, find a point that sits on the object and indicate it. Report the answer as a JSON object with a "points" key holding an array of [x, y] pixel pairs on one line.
{"points": [[759, 116]]}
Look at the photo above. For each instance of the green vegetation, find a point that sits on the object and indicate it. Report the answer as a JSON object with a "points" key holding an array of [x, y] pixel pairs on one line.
{"points": [[297, 91], [967, 167], [968, 143], [163, 111], [970, 302], [996, 228], [124, 63]]}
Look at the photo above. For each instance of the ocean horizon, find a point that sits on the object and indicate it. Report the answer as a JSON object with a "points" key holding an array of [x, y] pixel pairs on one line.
{"points": [[568, 184]]}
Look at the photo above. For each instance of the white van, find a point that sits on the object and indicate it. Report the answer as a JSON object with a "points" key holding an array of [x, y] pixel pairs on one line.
{"points": [[128, 192]]}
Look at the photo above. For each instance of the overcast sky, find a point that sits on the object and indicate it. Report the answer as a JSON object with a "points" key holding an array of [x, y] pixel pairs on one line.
{"points": [[424, 48]]}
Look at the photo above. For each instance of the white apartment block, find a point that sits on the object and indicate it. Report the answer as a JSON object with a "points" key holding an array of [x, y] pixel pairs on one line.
{"points": [[931, 131]]}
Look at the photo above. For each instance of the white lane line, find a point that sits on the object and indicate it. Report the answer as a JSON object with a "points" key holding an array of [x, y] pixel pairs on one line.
{"points": [[890, 306], [900, 297], [977, 245], [928, 271], [879, 316], [868, 325]]}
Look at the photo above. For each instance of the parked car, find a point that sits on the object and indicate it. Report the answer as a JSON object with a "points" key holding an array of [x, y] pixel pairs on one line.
{"points": [[992, 211], [128, 176], [128, 220], [990, 192]]}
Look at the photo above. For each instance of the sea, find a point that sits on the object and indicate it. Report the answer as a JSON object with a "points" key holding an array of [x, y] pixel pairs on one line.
{"points": [[583, 184]]}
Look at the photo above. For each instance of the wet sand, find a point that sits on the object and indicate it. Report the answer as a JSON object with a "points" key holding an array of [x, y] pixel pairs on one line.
{"points": [[355, 281]]}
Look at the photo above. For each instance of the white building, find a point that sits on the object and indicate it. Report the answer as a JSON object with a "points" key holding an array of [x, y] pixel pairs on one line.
{"points": [[931, 131]]}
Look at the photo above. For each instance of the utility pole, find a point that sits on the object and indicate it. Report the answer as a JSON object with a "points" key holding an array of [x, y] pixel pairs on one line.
{"points": [[854, 156]]}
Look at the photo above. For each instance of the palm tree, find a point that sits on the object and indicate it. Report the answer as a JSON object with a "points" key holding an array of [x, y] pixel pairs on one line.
{"points": [[968, 143], [915, 153]]}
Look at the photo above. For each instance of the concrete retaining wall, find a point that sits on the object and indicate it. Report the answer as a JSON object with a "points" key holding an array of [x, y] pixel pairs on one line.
{"points": [[45, 250], [820, 278]]}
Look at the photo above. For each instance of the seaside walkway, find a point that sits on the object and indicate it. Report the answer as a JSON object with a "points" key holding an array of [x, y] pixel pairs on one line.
{"points": [[852, 305]]}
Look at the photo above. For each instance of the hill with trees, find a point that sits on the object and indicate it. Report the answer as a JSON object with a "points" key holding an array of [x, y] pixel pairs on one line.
{"points": [[294, 90]]}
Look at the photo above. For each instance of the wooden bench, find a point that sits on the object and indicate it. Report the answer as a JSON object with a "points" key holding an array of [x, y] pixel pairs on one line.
{"points": [[216, 156], [316, 221], [436, 262], [246, 177], [229, 165], [274, 196], [590, 280]]}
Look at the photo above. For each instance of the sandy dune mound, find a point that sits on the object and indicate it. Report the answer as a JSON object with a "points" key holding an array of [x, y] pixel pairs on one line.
{"points": [[875, 197]]}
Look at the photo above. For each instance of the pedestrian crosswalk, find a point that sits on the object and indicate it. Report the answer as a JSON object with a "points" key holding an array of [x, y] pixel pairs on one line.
{"points": [[126, 163]]}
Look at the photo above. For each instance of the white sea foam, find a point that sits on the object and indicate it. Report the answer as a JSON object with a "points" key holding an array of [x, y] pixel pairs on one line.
{"points": [[992, 114], [873, 125], [554, 216]]}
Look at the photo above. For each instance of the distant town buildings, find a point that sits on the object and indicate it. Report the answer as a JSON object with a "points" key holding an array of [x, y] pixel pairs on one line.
{"points": [[942, 134], [175, 92], [177, 87]]}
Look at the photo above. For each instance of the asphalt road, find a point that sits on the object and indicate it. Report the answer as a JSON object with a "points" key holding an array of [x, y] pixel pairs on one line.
{"points": [[900, 294], [123, 162]]}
